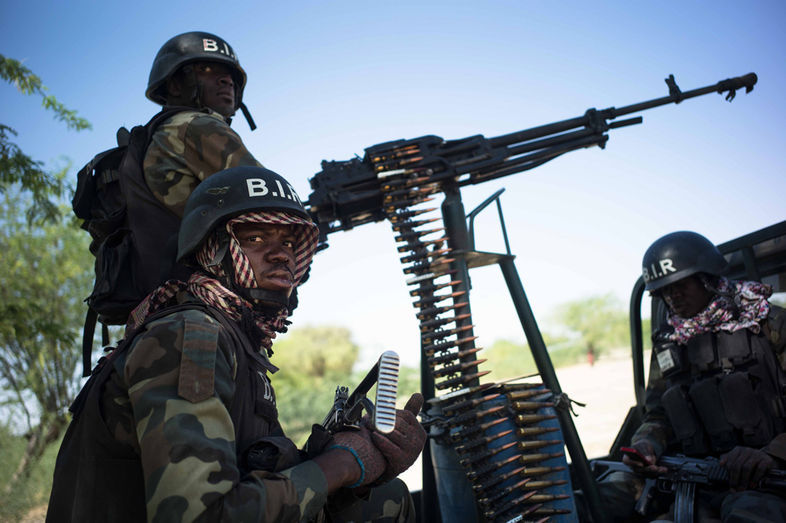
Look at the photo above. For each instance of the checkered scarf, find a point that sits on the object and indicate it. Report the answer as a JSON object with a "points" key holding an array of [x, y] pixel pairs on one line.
{"points": [[209, 289], [738, 305]]}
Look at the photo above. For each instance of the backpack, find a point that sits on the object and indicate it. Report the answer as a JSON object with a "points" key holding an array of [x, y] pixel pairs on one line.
{"points": [[134, 237]]}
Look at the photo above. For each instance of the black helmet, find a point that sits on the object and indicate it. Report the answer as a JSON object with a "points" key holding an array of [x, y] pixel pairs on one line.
{"points": [[185, 48], [679, 255], [230, 193]]}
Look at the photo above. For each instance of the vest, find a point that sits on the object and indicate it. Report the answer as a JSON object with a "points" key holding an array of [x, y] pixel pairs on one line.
{"points": [[723, 390], [99, 479]]}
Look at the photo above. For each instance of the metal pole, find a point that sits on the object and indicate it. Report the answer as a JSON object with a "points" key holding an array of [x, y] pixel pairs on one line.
{"points": [[546, 369]]}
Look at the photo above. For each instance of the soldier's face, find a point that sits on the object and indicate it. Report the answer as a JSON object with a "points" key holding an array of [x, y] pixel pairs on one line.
{"points": [[217, 89], [686, 297], [271, 250]]}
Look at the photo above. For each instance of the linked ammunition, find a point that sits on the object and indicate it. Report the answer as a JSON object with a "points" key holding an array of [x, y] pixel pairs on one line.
{"points": [[525, 432], [405, 203], [520, 406], [455, 369], [543, 484], [424, 255], [491, 514], [426, 267], [520, 395], [417, 244], [485, 454], [533, 444], [545, 498], [525, 498], [529, 419], [500, 493], [427, 301], [526, 459], [515, 387], [460, 380], [520, 515], [428, 289], [488, 469], [429, 350], [466, 404], [472, 416], [403, 182], [412, 224], [465, 447], [406, 215], [550, 511], [482, 486], [436, 311], [432, 336], [452, 356], [406, 236], [418, 280], [474, 429], [398, 152]]}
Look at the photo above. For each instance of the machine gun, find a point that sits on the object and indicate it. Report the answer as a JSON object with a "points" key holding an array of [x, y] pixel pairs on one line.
{"points": [[682, 477], [386, 184], [349, 193], [348, 408]]}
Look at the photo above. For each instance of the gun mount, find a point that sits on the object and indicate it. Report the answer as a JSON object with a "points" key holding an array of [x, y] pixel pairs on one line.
{"points": [[496, 458]]}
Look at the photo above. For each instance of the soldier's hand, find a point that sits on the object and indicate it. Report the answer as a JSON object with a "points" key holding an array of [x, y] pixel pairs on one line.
{"points": [[645, 458], [402, 446], [371, 463], [746, 466]]}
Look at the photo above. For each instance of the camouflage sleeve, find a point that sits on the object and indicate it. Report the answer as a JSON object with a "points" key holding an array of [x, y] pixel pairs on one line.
{"points": [[655, 426], [186, 149], [180, 379]]}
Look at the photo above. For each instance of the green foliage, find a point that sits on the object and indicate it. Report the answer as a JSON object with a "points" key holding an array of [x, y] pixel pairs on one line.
{"points": [[13, 72], [313, 361], [46, 274], [600, 322], [19, 169], [32, 492]]}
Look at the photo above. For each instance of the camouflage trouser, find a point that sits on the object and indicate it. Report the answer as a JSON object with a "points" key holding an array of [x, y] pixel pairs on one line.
{"points": [[620, 490], [388, 503]]}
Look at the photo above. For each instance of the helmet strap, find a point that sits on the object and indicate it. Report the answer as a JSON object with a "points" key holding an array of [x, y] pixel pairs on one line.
{"points": [[247, 115]]}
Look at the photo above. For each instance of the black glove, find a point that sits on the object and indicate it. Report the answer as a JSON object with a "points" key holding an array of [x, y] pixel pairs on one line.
{"points": [[746, 466], [402, 446]]}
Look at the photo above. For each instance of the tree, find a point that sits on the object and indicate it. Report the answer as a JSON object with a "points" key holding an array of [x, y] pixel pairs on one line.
{"points": [[17, 168], [600, 322], [46, 274], [313, 361]]}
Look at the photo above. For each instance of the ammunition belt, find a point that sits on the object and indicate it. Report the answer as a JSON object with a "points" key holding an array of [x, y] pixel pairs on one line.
{"points": [[503, 434]]}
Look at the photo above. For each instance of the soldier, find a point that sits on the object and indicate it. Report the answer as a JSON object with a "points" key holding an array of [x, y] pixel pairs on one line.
{"points": [[179, 422], [716, 378], [200, 71]]}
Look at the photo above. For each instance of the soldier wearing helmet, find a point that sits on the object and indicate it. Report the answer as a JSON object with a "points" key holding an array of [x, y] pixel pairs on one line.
{"points": [[200, 73], [716, 381], [180, 421]]}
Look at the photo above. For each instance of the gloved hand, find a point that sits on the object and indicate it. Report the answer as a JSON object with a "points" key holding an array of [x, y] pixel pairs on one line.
{"points": [[402, 446], [746, 466], [648, 464], [370, 459]]}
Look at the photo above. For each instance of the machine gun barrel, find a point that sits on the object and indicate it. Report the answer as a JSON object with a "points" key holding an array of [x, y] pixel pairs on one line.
{"points": [[349, 193]]}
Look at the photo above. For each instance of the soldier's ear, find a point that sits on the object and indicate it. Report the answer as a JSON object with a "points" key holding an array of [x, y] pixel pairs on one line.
{"points": [[174, 87]]}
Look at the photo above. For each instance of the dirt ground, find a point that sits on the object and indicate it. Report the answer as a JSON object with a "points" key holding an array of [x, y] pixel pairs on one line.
{"points": [[607, 390]]}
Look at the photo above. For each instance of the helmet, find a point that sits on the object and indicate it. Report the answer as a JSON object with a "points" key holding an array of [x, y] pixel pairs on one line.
{"points": [[229, 193], [185, 48], [679, 255]]}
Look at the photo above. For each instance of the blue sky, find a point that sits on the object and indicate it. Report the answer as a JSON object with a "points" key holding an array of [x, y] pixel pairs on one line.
{"points": [[327, 79]]}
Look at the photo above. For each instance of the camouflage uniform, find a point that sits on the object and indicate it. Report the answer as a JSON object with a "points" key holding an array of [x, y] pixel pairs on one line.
{"points": [[620, 489], [173, 418], [186, 149]]}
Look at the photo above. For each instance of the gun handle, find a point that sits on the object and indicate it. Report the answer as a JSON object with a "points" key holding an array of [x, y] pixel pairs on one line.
{"points": [[643, 503], [384, 417]]}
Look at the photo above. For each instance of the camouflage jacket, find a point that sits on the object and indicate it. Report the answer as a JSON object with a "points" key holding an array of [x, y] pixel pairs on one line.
{"points": [[656, 428], [186, 149], [170, 397]]}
